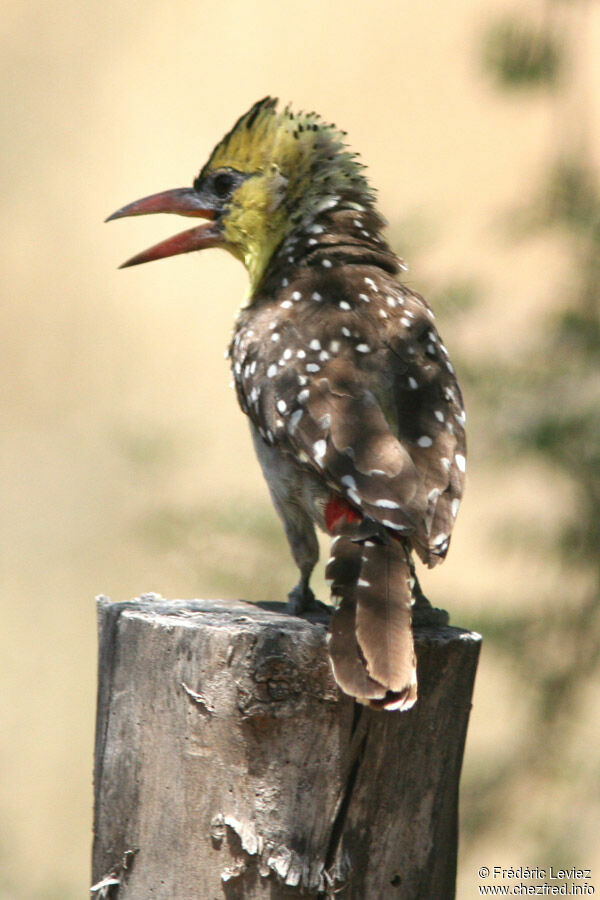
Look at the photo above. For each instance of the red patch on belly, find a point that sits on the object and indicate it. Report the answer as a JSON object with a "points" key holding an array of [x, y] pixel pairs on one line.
{"points": [[339, 512]]}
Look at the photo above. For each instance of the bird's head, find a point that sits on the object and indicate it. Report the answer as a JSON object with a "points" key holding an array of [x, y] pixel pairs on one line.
{"points": [[271, 174]]}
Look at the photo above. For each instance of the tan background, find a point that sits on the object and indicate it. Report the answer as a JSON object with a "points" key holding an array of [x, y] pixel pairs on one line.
{"points": [[125, 463]]}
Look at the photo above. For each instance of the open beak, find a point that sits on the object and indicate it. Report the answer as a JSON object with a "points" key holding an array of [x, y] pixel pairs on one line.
{"points": [[184, 202]]}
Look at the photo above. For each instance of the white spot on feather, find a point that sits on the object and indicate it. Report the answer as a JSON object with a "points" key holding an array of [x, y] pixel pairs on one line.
{"points": [[354, 496], [393, 525], [319, 450], [294, 420], [425, 441], [460, 462]]}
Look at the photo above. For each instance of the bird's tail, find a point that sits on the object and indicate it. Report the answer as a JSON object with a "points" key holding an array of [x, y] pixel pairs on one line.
{"points": [[371, 641]]}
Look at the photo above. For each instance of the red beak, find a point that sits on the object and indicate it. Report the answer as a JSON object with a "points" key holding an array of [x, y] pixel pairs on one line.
{"points": [[184, 202]]}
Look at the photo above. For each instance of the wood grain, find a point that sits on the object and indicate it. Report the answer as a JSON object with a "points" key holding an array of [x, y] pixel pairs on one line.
{"points": [[229, 765]]}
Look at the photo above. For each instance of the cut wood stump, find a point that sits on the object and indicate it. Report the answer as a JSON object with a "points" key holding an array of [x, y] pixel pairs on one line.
{"points": [[229, 765]]}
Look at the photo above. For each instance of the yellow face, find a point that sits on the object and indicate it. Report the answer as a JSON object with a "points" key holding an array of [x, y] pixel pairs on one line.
{"points": [[255, 221], [272, 173], [275, 156]]}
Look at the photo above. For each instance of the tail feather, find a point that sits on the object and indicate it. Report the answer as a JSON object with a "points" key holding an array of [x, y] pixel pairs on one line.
{"points": [[347, 661], [371, 645]]}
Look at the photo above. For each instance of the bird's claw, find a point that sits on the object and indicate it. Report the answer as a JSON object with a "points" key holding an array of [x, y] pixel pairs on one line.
{"points": [[302, 601]]}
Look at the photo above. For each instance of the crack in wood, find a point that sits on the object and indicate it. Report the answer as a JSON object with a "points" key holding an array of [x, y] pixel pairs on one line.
{"points": [[358, 737]]}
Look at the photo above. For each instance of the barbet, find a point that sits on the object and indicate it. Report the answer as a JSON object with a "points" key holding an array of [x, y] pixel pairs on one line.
{"points": [[355, 411]]}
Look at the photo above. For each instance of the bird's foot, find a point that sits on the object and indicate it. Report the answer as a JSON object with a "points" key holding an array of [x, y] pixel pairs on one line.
{"points": [[424, 616], [423, 613], [302, 601]]}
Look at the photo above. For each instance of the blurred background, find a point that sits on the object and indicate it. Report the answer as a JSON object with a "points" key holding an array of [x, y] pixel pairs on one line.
{"points": [[125, 464]]}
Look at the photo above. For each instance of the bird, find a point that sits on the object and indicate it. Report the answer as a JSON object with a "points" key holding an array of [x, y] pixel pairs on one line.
{"points": [[356, 415]]}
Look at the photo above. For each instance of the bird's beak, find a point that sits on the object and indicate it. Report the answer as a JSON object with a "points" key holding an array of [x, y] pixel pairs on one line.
{"points": [[184, 202]]}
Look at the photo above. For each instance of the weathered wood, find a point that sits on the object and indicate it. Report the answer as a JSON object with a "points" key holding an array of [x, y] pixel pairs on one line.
{"points": [[228, 764]]}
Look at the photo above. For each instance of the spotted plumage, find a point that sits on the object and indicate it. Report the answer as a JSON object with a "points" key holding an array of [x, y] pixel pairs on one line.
{"points": [[355, 411]]}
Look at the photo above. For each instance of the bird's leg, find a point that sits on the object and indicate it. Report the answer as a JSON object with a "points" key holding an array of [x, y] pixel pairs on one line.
{"points": [[285, 486], [301, 598], [303, 543]]}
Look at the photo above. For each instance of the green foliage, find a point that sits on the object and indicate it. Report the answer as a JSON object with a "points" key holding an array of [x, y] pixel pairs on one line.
{"points": [[221, 550], [546, 405], [456, 297], [519, 54], [570, 197], [567, 198]]}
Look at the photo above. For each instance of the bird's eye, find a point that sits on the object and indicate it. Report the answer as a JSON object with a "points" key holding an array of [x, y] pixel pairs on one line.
{"points": [[223, 183]]}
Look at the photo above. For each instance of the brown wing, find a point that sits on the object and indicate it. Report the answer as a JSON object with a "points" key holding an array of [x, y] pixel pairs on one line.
{"points": [[360, 390]]}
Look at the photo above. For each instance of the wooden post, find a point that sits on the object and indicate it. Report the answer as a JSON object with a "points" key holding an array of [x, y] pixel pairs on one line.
{"points": [[229, 765]]}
